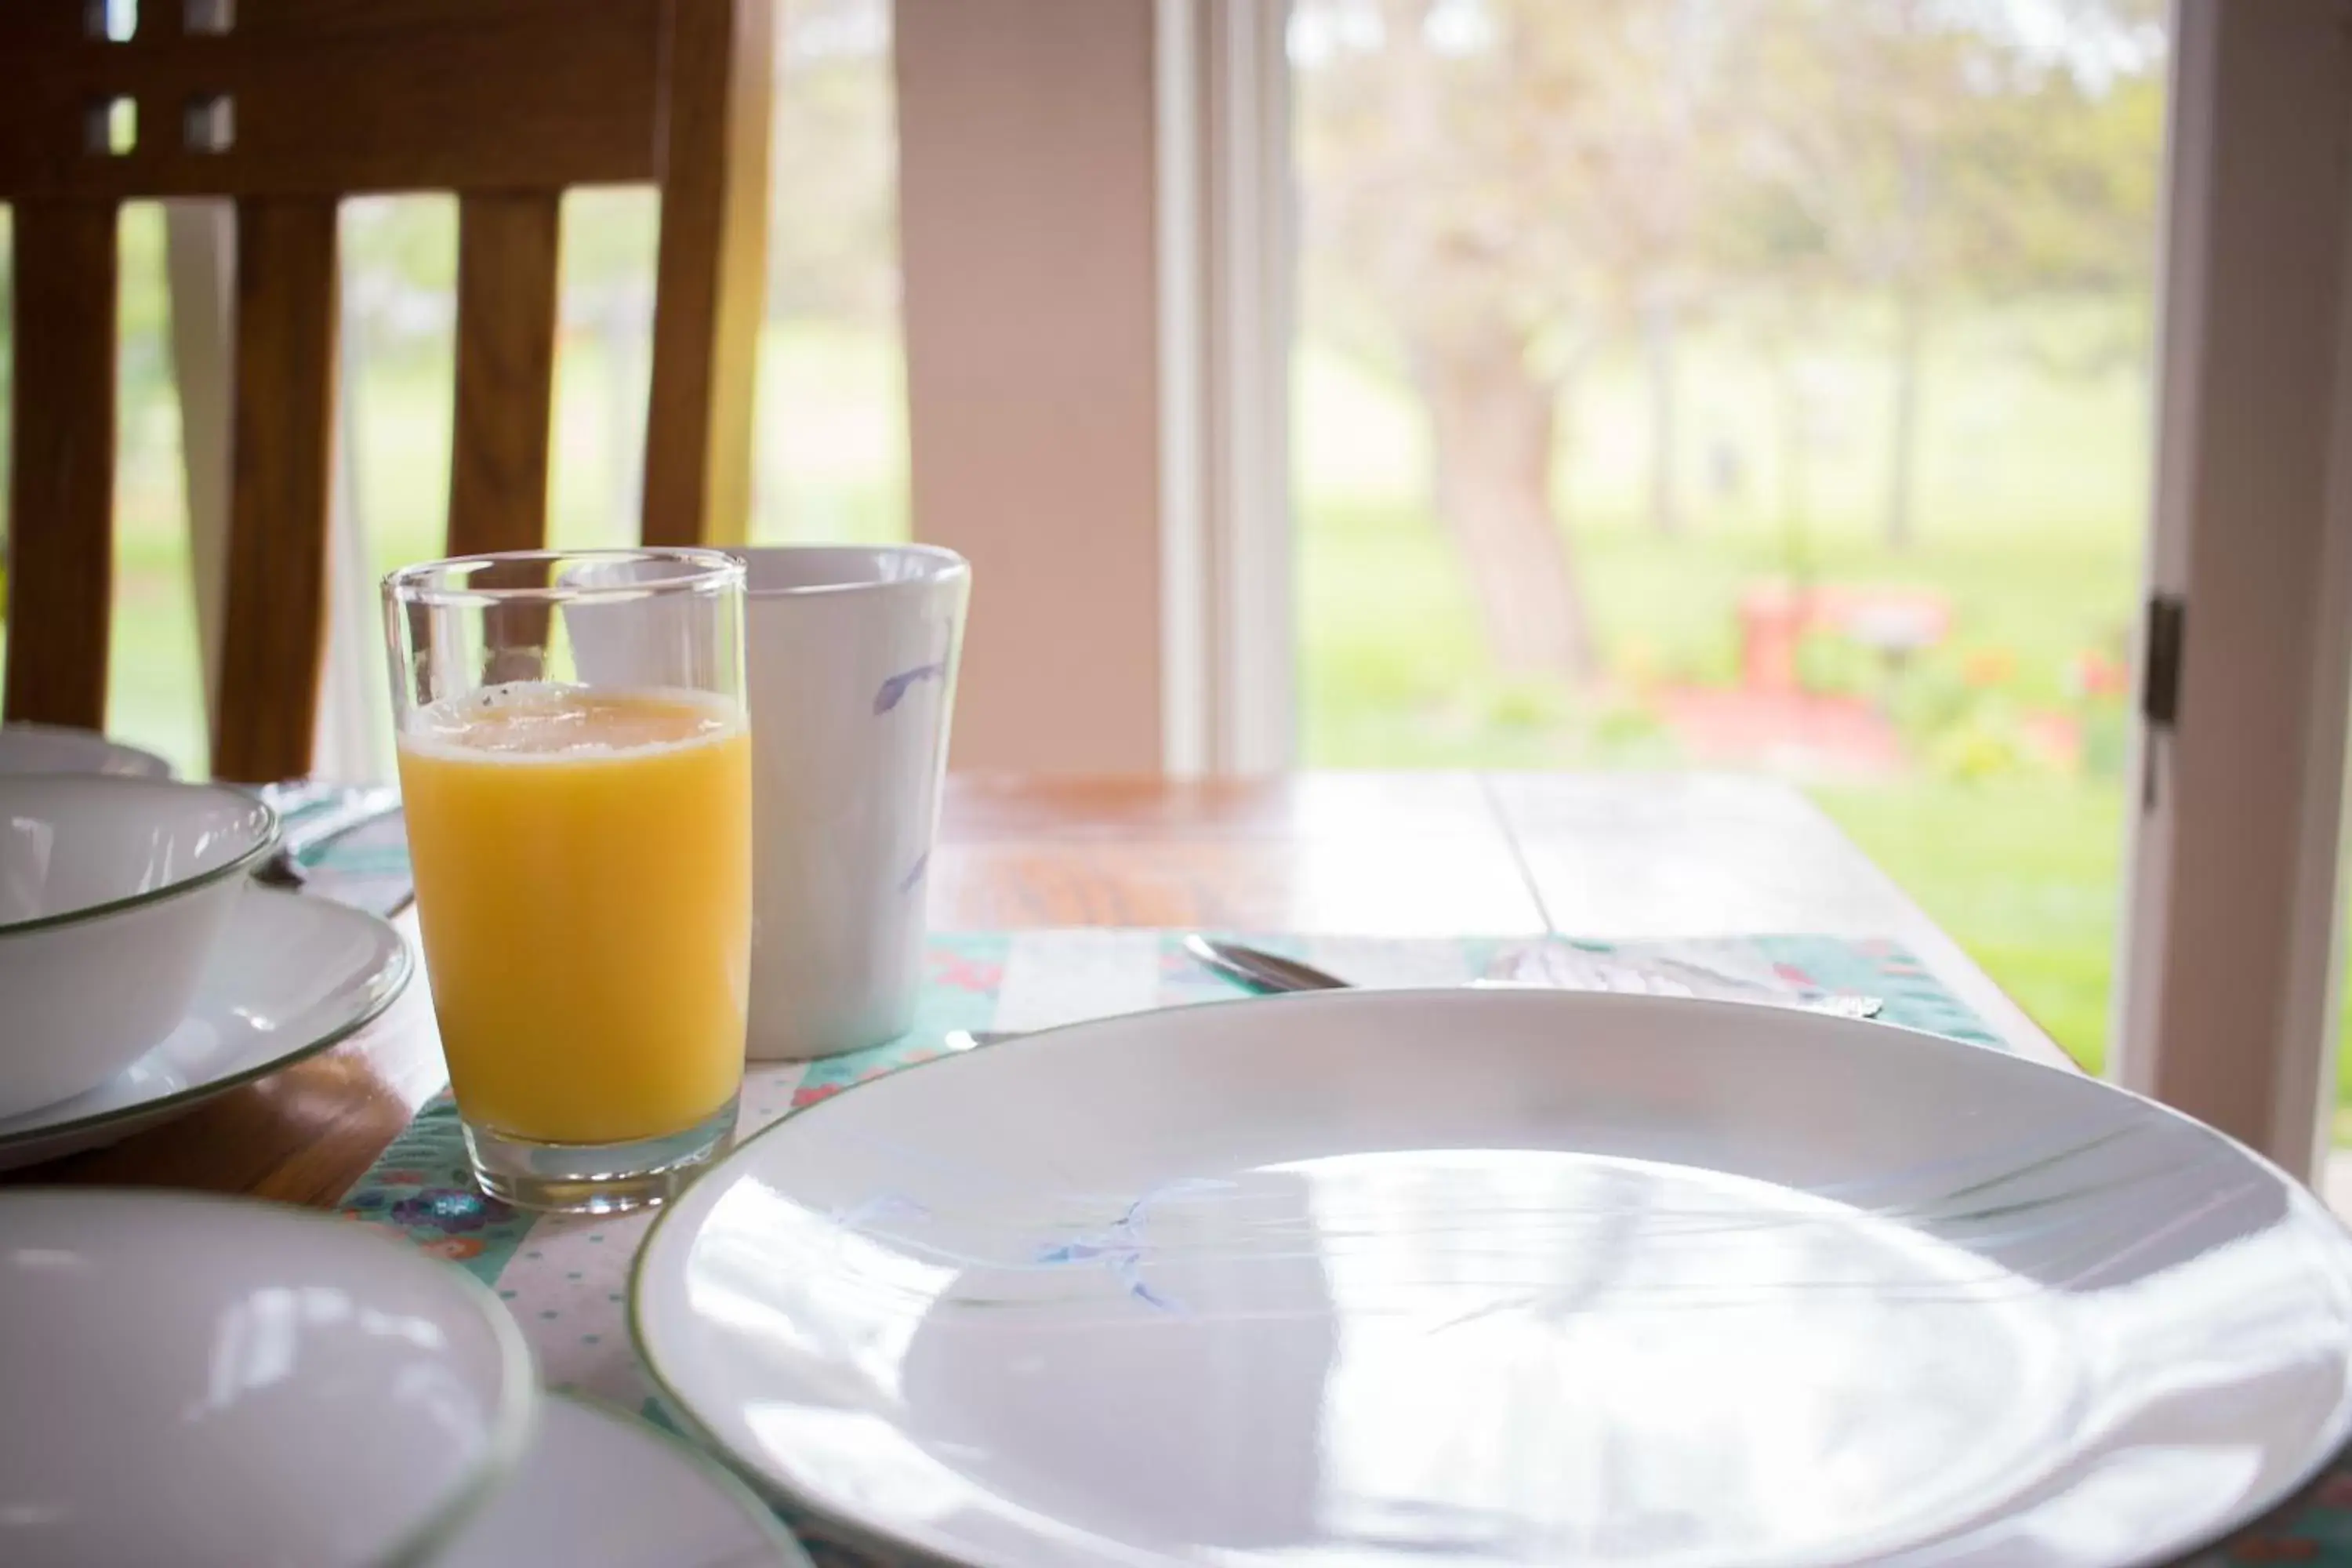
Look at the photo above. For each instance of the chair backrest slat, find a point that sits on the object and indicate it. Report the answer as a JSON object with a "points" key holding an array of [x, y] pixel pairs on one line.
{"points": [[324, 98], [273, 644], [61, 478], [291, 106], [507, 257], [708, 275]]}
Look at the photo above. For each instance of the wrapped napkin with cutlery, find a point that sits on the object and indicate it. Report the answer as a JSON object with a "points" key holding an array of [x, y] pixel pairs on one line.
{"points": [[344, 841]]}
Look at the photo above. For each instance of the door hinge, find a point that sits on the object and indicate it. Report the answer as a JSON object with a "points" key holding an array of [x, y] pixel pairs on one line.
{"points": [[2159, 686], [2159, 689]]}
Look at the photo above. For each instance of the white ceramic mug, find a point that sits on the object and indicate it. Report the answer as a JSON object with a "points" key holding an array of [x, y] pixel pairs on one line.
{"points": [[850, 658], [851, 653]]}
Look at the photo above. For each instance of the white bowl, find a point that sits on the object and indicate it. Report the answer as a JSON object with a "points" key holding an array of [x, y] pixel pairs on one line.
{"points": [[54, 749], [290, 976], [204, 1382], [113, 894]]}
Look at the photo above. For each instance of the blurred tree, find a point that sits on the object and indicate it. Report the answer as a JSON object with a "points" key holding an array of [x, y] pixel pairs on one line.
{"points": [[833, 216], [1493, 186], [1667, 208], [1927, 149]]}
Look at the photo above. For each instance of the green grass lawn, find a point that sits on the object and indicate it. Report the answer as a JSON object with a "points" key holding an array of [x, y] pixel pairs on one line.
{"points": [[2023, 874]]}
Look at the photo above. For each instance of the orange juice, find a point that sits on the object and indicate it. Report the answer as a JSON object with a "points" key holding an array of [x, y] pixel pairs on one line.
{"points": [[583, 877]]}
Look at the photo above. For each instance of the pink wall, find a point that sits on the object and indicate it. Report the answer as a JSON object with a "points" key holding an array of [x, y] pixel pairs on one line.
{"points": [[1027, 222]]}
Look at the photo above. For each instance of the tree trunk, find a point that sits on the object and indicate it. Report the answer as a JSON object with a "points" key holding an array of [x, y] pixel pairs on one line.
{"points": [[1910, 344], [1492, 424], [1788, 401], [1903, 433], [1658, 328]]}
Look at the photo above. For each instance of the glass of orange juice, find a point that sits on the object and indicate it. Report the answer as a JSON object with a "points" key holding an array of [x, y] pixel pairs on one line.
{"points": [[575, 762]]}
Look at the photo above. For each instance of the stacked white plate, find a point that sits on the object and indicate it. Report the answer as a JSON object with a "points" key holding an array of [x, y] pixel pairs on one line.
{"points": [[204, 1382], [289, 977], [1504, 1277], [144, 973], [201, 1382], [602, 1489]]}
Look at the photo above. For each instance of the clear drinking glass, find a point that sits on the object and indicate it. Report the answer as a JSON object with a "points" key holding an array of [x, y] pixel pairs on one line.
{"points": [[576, 761]]}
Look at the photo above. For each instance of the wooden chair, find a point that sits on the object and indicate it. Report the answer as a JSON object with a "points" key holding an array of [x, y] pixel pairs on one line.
{"points": [[287, 106]]}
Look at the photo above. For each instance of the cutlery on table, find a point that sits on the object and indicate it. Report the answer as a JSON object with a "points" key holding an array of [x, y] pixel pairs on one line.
{"points": [[1258, 969], [284, 869], [1548, 967], [1563, 966], [1535, 967]]}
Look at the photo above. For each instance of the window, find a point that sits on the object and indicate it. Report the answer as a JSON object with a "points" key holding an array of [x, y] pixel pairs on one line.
{"points": [[155, 692], [1759, 385]]}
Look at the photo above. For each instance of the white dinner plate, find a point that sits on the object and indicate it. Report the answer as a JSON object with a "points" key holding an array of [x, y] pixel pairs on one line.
{"points": [[602, 1489], [290, 977], [215, 1384], [1505, 1277]]}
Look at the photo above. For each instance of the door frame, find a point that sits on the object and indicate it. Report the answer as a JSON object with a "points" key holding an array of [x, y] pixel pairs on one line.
{"points": [[2228, 955]]}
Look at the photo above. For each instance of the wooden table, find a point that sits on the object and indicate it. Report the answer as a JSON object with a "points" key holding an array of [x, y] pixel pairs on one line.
{"points": [[1372, 854]]}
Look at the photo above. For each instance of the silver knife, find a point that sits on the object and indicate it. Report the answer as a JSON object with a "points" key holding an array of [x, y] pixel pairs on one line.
{"points": [[1258, 969]]}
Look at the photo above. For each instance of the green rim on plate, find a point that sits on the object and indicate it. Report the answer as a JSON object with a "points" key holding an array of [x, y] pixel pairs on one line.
{"points": [[861, 1535], [392, 978], [843, 1528], [242, 862]]}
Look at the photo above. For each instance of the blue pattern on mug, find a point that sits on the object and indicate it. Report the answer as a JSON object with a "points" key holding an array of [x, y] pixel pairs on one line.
{"points": [[894, 690]]}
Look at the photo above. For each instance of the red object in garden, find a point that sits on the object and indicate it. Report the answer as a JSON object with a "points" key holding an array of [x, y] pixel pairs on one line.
{"points": [[2096, 674], [2056, 738], [1772, 620], [1775, 618], [1989, 668], [1801, 732]]}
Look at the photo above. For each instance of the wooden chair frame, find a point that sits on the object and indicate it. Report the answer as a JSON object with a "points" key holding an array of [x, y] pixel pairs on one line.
{"points": [[286, 107]]}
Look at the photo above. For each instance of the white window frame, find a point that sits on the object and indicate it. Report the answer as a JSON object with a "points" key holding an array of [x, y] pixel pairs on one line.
{"points": [[2228, 951], [1227, 255]]}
